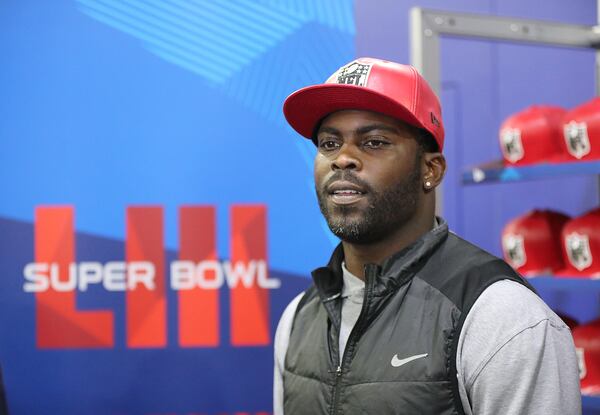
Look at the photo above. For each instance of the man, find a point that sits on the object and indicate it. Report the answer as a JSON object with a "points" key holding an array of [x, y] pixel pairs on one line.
{"points": [[407, 318]]}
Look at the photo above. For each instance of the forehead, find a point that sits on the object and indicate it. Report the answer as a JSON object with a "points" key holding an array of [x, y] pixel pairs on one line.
{"points": [[351, 120]]}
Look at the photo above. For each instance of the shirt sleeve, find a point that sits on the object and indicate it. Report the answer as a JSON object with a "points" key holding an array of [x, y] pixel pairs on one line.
{"points": [[282, 339], [516, 356]]}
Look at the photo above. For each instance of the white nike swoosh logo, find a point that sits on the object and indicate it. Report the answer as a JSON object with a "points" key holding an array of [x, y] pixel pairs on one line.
{"points": [[399, 362]]}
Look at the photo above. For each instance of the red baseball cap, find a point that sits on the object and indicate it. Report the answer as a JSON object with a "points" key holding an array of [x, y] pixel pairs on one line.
{"points": [[533, 135], [531, 243], [368, 84], [587, 345], [581, 131], [581, 246]]}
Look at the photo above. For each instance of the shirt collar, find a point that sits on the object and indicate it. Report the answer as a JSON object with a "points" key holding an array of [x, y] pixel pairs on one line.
{"points": [[352, 284]]}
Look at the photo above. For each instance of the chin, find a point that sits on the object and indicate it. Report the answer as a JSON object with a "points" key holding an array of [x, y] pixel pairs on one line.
{"points": [[348, 230]]}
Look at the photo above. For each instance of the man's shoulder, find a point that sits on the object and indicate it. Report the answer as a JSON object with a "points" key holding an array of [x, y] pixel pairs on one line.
{"points": [[291, 308], [297, 303], [462, 271], [502, 313], [507, 315], [476, 254], [282, 333], [511, 340], [509, 303], [308, 295], [460, 254]]}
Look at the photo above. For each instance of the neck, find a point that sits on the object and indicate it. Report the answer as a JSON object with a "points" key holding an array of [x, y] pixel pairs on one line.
{"points": [[357, 256]]}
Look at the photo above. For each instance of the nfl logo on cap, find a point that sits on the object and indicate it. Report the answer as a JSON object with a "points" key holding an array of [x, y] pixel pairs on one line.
{"points": [[354, 74]]}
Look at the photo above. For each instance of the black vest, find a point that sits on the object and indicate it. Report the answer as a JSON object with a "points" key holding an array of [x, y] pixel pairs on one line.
{"points": [[414, 304]]}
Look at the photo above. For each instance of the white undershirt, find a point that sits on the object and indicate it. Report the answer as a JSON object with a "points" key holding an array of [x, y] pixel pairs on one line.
{"points": [[353, 293]]}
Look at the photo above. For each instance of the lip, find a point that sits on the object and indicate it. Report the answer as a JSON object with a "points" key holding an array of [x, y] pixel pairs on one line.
{"points": [[353, 192], [340, 185]]}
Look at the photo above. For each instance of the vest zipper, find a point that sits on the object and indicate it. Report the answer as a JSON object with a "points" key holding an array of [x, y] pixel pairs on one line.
{"points": [[370, 276]]}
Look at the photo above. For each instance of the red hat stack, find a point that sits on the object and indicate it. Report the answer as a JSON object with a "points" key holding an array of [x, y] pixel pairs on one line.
{"points": [[581, 132], [531, 243], [581, 246], [533, 135]]}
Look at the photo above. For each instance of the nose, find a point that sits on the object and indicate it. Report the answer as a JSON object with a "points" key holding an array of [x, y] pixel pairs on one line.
{"points": [[346, 159]]}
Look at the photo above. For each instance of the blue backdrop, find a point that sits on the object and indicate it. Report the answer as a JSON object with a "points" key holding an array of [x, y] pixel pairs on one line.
{"points": [[110, 104]]}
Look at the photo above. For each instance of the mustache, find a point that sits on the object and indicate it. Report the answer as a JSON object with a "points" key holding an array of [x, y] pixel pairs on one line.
{"points": [[345, 175]]}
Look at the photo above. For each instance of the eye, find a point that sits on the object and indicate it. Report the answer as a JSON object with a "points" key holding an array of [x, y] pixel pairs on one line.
{"points": [[328, 144], [376, 142]]}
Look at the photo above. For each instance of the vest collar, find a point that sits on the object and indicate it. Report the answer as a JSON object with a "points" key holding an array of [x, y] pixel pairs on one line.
{"points": [[393, 272]]}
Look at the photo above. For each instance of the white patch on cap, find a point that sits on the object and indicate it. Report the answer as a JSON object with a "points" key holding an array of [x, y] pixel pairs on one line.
{"points": [[576, 137], [511, 144], [514, 250], [355, 73], [578, 250], [581, 362]]}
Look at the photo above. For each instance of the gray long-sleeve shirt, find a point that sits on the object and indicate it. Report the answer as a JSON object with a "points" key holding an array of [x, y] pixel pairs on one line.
{"points": [[515, 355]]}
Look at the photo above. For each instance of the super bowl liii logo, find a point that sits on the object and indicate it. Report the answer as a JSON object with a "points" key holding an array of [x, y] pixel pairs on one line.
{"points": [[55, 278]]}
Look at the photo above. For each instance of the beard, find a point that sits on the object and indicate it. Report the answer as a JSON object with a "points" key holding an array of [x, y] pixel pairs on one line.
{"points": [[388, 209]]}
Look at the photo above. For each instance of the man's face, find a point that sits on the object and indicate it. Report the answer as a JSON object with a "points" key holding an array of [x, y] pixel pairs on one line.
{"points": [[367, 174]]}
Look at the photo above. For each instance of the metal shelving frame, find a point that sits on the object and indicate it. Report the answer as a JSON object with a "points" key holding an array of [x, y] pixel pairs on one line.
{"points": [[428, 26]]}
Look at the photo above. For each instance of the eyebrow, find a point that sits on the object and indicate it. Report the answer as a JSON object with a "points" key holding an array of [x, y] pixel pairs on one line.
{"points": [[362, 130]]}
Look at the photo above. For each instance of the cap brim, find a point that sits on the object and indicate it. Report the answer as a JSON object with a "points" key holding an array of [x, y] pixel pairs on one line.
{"points": [[306, 107]]}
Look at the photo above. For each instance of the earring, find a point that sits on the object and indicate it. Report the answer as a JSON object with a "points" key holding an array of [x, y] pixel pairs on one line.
{"points": [[428, 184]]}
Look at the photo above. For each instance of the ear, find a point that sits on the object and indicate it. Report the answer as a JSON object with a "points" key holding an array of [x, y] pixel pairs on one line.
{"points": [[433, 170]]}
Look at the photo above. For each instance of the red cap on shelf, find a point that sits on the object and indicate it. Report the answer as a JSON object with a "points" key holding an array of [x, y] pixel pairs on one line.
{"points": [[531, 243], [581, 132], [533, 135], [581, 246], [587, 345]]}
